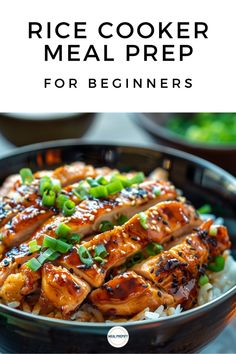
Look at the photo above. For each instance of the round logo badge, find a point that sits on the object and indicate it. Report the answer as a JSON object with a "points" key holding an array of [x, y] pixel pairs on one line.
{"points": [[118, 336]]}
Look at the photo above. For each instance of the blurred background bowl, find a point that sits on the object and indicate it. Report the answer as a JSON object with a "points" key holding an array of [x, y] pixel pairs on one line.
{"points": [[156, 125], [27, 128]]}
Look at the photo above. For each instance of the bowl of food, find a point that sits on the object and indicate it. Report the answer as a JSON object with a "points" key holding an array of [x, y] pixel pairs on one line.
{"points": [[28, 128], [208, 135], [100, 236]]}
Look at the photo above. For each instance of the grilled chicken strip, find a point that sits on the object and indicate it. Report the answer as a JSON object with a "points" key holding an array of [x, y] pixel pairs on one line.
{"points": [[62, 289], [86, 220], [27, 217], [22, 196], [17, 285], [174, 273], [165, 221], [90, 213], [126, 294]]}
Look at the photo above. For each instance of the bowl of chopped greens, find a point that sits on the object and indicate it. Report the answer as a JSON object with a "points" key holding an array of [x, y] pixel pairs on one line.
{"points": [[209, 135]]}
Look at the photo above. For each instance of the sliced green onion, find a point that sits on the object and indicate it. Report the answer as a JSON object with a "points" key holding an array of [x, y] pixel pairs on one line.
{"points": [[122, 220], [100, 259], [114, 187], [102, 180], [33, 264], [61, 199], [203, 280], [45, 255], [99, 192], [105, 226], [217, 265], [100, 251], [137, 179], [85, 256], [143, 220], [56, 186], [50, 242], [56, 244], [156, 191], [62, 246], [33, 246], [92, 182], [213, 230], [153, 248], [49, 198], [205, 209], [123, 179], [54, 256], [68, 208], [63, 230], [45, 184], [81, 195], [26, 175], [75, 238], [137, 258]]}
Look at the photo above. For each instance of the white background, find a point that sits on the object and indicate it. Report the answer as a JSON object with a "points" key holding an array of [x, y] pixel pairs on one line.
{"points": [[22, 66]]}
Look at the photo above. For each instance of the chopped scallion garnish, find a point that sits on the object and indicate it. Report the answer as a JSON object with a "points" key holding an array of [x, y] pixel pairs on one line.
{"points": [[205, 209], [143, 220], [100, 251], [85, 256], [75, 238], [92, 182], [137, 258], [56, 186], [102, 180], [114, 187], [62, 246], [33, 246], [26, 175], [122, 220], [33, 264], [99, 192], [105, 226], [203, 280], [153, 248], [45, 255], [156, 191], [45, 184], [68, 208], [137, 179], [56, 244], [99, 259], [49, 198], [63, 230], [213, 230], [60, 201], [217, 265]]}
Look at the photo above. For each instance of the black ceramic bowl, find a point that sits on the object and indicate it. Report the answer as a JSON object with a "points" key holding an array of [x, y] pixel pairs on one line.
{"points": [[29, 128], [155, 124], [188, 332]]}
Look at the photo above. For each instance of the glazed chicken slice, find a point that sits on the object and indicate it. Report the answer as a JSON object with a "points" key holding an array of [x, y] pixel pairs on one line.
{"points": [[63, 290], [164, 221], [17, 285], [193, 253], [25, 220], [86, 220], [90, 213], [174, 272], [21, 196], [126, 294]]}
